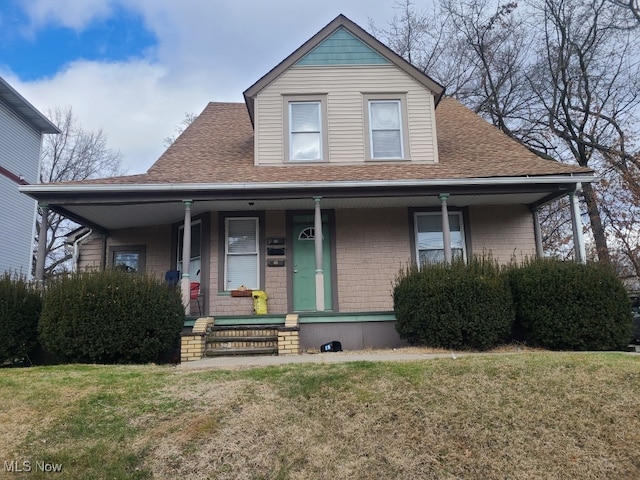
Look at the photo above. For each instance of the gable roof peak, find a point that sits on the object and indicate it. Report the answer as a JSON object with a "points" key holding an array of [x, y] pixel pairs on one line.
{"points": [[341, 21]]}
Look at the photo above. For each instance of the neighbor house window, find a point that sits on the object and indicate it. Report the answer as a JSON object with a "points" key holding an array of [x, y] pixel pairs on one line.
{"points": [[130, 259], [386, 128], [241, 253], [306, 129], [429, 239], [195, 262]]}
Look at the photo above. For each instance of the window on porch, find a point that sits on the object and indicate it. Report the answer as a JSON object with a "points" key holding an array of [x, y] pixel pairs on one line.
{"points": [[129, 258], [429, 239], [242, 253]]}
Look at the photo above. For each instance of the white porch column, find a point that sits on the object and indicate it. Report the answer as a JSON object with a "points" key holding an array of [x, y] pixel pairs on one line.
{"points": [[317, 228], [537, 233], [446, 231], [42, 244], [185, 281], [576, 223]]}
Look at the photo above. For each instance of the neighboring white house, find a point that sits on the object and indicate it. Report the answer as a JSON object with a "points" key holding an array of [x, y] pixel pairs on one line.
{"points": [[21, 130]]}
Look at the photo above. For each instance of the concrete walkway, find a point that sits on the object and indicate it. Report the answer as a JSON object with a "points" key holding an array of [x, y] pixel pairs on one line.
{"points": [[337, 357], [400, 355]]}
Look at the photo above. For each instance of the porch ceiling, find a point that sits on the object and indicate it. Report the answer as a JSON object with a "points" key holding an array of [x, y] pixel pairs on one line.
{"points": [[110, 216]]}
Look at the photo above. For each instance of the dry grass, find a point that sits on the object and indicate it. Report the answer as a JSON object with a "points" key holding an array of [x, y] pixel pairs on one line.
{"points": [[524, 416]]}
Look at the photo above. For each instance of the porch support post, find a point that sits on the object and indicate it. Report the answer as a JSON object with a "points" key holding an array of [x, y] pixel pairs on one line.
{"points": [[103, 257], [446, 231], [42, 244], [317, 227], [185, 282], [576, 223], [537, 233]]}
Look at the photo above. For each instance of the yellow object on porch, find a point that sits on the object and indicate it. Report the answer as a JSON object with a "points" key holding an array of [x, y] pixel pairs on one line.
{"points": [[260, 302]]}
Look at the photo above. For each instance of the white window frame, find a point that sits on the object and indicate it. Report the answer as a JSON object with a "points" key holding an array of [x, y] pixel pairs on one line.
{"points": [[319, 100], [398, 99], [439, 215], [227, 254]]}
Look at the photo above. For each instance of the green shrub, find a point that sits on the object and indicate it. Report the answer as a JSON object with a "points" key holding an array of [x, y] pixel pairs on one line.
{"points": [[570, 306], [456, 306], [110, 317], [20, 307]]}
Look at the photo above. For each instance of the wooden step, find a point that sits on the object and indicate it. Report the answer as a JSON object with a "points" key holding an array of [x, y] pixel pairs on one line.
{"points": [[220, 352]]}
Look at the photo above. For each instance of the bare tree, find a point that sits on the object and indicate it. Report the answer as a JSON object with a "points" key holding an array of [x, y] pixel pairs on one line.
{"points": [[633, 6], [559, 76], [587, 89], [188, 119], [73, 155]]}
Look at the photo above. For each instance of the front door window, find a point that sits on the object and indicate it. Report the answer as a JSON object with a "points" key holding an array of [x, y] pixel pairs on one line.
{"points": [[304, 264]]}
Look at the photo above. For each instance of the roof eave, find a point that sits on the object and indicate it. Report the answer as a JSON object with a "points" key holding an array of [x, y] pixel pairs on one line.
{"points": [[341, 21], [40, 191], [25, 109]]}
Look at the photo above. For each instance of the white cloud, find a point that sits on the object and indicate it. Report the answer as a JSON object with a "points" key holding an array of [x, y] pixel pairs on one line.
{"points": [[73, 14], [131, 102], [207, 50]]}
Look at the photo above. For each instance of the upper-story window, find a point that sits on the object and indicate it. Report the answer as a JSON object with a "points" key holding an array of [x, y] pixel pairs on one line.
{"points": [[306, 129], [386, 128]]}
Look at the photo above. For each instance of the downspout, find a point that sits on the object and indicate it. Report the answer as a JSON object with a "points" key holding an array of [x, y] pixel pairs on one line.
{"points": [[76, 249]]}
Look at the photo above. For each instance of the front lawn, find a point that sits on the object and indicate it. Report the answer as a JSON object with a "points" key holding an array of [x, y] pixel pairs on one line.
{"points": [[516, 416]]}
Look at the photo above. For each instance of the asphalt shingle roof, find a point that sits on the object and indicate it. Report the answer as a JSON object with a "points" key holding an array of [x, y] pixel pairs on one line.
{"points": [[218, 147]]}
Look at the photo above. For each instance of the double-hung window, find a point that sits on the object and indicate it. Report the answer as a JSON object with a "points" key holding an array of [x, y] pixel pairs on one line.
{"points": [[429, 237], [306, 125], [241, 253], [386, 128]]}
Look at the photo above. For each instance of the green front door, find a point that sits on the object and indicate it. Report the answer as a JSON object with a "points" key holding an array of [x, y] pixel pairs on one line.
{"points": [[304, 264]]}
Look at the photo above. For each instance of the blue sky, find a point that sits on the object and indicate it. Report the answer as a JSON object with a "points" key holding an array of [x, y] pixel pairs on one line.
{"points": [[133, 68], [36, 54]]}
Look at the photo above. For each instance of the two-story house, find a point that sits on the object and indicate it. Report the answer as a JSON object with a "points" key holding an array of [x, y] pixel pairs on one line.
{"points": [[343, 164], [21, 131]]}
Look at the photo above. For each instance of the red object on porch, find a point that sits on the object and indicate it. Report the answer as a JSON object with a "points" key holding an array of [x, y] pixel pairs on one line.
{"points": [[194, 290]]}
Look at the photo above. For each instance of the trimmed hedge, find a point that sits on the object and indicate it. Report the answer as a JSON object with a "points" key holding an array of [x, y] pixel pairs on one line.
{"points": [[110, 317], [20, 307], [457, 306], [570, 306]]}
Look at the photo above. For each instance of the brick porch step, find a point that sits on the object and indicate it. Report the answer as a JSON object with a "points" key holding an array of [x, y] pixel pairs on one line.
{"points": [[242, 340], [257, 338], [219, 352]]}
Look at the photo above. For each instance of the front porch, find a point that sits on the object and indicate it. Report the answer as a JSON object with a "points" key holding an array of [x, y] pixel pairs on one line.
{"points": [[288, 334]]}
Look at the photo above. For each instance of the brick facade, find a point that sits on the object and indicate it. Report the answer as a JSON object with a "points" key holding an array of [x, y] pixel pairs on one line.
{"points": [[506, 231], [371, 245]]}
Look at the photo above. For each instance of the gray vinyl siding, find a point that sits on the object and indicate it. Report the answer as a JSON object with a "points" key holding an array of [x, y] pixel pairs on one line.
{"points": [[20, 146], [345, 88], [17, 217]]}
